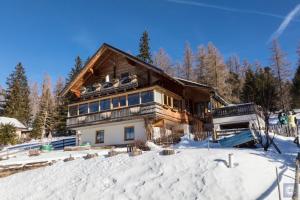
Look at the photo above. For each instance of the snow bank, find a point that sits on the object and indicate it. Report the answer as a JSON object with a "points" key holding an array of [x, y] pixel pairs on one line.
{"points": [[16, 123], [192, 173]]}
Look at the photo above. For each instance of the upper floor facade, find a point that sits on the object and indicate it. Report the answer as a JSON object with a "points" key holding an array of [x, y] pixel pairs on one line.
{"points": [[115, 85]]}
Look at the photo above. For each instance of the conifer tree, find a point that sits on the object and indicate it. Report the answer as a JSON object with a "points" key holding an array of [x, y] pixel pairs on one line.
{"points": [[17, 97], [217, 72], [144, 48], [261, 88], [296, 85], [43, 124], [280, 67], [2, 100], [200, 68], [34, 99], [233, 80], [61, 110], [7, 134], [163, 61], [75, 69], [187, 66], [248, 92]]}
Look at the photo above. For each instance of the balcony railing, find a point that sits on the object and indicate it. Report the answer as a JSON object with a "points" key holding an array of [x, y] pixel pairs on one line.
{"points": [[117, 86], [112, 114], [236, 110]]}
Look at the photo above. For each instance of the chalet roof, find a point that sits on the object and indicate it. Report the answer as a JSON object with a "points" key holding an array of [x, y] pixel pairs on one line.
{"points": [[104, 47], [213, 90], [16, 123]]}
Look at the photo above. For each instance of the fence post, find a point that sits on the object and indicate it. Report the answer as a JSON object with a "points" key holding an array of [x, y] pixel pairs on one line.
{"points": [[296, 185], [278, 184]]}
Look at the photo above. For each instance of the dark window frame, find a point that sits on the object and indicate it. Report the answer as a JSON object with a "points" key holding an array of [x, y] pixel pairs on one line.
{"points": [[145, 95], [86, 110], [99, 141], [70, 110], [103, 100], [118, 102], [98, 105], [121, 101], [134, 94], [125, 133]]}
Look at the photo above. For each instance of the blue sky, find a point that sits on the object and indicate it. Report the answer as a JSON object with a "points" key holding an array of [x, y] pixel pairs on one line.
{"points": [[46, 36]]}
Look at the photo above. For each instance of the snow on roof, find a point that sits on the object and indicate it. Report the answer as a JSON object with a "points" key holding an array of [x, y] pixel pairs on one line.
{"points": [[13, 121]]}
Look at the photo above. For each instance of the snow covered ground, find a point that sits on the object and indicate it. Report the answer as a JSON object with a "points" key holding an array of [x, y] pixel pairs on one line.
{"points": [[194, 172]]}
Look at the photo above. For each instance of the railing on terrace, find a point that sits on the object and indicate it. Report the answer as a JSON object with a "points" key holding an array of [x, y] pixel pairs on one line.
{"points": [[112, 114], [236, 110], [109, 90]]}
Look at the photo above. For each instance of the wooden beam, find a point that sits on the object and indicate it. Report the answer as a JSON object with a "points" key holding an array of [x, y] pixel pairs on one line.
{"points": [[76, 92], [91, 70]]}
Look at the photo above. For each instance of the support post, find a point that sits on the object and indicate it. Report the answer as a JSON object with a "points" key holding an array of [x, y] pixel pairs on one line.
{"points": [[230, 160], [278, 184], [297, 176]]}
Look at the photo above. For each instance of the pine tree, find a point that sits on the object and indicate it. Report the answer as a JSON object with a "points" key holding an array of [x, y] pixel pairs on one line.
{"points": [[7, 134], [187, 66], [61, 109], [200, 68], [43, 124], [75, 70], [296, 88], [248, 92], [18, 103], [2, 100], [163, 61], [280, 67], [261, 88], [233, 80], [34, 99], [144, 48]]}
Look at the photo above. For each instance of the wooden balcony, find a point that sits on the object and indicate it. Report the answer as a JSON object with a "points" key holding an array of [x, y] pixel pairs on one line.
{"points": [[236, 110], [153, 110], [113, 115]]}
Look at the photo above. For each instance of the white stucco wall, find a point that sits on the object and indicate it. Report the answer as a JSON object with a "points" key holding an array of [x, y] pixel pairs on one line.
{"points": [[238, 119], [113, 132]]}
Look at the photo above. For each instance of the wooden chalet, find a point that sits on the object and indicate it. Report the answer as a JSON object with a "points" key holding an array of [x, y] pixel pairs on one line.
{"points": [[117, 99]]}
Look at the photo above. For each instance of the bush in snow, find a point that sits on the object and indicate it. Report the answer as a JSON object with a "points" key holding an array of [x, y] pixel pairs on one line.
{"points": [[7, 134], [141, 145]]}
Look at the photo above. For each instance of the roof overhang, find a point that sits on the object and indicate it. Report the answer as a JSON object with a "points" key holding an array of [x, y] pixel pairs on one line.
{"points": [[105, 47]]}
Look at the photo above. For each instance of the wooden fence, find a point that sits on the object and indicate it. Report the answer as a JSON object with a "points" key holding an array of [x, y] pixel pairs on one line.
{"points": [[57, 145], [284, 130]]}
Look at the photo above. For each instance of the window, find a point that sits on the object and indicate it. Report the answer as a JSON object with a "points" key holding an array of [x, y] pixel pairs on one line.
{"points": [[122, 101], [158, 97], [94, 107], [73, 110], [129, 133], [100, 136], [83, 109], [165, 99], [105, 104], [133, 99], [169, 101], [147, 96], [115, 102], [176, 104]]}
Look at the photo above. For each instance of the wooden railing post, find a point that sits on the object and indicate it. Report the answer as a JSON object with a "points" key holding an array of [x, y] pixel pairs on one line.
{"points": [[297, 176]]}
